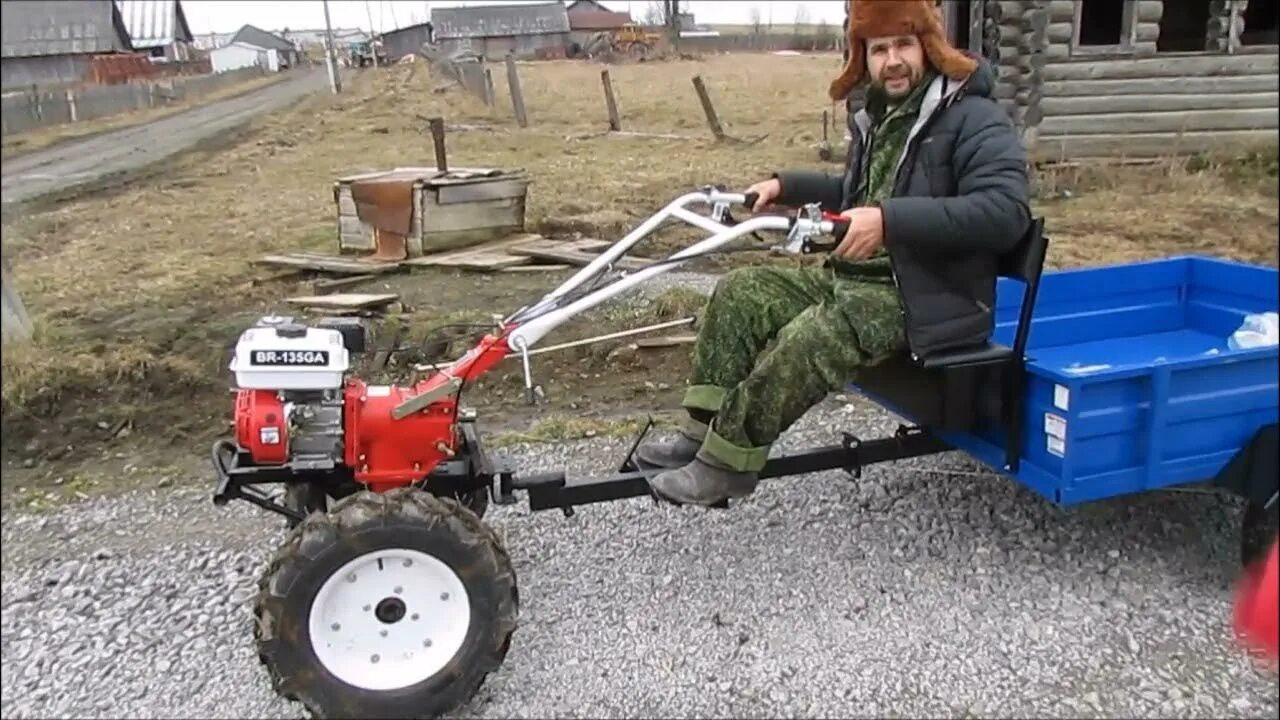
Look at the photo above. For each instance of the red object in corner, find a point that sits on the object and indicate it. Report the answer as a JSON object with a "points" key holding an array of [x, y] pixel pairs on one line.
{"points": [[1257, 617]]}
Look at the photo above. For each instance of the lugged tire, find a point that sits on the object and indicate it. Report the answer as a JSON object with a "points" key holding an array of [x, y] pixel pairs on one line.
{"points": [[364, 522]]}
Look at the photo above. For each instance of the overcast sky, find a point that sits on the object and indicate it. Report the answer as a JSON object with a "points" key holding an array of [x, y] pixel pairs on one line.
{"points": [[206, 16]]}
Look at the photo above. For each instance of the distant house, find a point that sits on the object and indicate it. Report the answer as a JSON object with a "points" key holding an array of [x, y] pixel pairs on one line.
{"points": [[316, 37], [281, 53], [407, 40], [494, 31], [209, 41], [237, 56], [51, 42], [588, 17], [158, 28]]}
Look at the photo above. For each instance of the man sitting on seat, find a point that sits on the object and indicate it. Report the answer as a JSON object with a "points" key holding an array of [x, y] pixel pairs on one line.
{"points": [[935, 191]]}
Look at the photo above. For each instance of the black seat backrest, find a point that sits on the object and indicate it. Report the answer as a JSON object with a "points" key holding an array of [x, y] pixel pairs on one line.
{"points": [[1026, 261]]}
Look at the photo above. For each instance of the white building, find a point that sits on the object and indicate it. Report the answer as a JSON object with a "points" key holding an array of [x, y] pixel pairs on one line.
{"points": [[242, 55]]}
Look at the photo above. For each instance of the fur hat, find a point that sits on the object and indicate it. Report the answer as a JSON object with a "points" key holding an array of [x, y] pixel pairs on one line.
{"points": [[879, 18]]}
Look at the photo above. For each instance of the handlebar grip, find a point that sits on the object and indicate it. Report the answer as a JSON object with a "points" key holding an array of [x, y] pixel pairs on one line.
{"points": [[749, 200]]}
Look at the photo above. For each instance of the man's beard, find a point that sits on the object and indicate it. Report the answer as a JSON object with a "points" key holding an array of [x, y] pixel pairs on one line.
{"points": [[899, 90]]}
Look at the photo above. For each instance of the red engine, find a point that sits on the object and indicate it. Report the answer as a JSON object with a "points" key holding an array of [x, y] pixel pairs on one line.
{"points": [[388, 436]]}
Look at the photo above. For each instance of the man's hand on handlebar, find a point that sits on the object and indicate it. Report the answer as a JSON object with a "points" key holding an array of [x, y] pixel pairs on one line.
{"points": [[765, 192], [865, 234]]}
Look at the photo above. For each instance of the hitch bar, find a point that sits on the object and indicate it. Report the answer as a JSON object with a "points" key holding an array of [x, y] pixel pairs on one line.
{"points": [[551, 490]]}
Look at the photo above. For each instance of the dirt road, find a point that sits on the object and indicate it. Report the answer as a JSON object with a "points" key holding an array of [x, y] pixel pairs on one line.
{"points": [[82, 162]]}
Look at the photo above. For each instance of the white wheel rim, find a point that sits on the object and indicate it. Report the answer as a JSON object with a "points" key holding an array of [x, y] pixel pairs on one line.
{"points": [[389, 619]]}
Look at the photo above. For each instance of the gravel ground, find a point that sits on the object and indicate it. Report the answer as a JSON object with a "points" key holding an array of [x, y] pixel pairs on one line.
{"points": [[927, 588]]}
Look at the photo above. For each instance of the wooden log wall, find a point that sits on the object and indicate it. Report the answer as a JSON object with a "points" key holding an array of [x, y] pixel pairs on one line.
{"points": [[1158, 106], [1002, 33]]}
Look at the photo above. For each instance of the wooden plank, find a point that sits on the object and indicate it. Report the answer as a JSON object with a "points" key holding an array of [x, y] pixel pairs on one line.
{"points": [[1164, 67], [1158, 122], [665, 341], [321, 287], [1058, 106], [477, 192], [463, 255], [541, 267], [1149, 144], [578, 257], [1163, 86], [345, 301], [335, 265], [499, 212]]}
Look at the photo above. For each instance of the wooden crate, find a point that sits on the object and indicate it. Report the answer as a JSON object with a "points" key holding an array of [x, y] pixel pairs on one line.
{"points": [[463, 208]]}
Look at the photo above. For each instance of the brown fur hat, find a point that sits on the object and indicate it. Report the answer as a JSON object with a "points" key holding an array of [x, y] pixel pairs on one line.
{"points": [[878, 18]]}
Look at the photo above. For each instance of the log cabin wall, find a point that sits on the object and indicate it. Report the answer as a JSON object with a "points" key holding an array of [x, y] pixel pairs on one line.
{"points": [[1111, 85]]}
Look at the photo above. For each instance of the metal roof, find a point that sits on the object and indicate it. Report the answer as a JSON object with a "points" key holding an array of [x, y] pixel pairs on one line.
{"points": [[597, 20], [155, 22], [499, 20], [34, 28], [258, 37]]}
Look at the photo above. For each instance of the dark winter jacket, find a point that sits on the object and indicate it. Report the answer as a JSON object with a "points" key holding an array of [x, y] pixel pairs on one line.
{"points": [[959, 201]]}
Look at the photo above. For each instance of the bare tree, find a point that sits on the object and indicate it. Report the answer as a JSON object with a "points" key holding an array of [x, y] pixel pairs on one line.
{"points": [[655, 14], [802, 17], [755, 20]]}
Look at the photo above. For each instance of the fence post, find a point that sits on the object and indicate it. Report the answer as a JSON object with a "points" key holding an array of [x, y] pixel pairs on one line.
{"points": [[713, 121], [71, 105], [611, 104], [436, 125], [517, 97], [490, 97]]}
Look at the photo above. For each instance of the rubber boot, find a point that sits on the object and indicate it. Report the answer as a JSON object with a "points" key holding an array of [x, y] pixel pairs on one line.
{"points": [[703, 482], [673, 453]]}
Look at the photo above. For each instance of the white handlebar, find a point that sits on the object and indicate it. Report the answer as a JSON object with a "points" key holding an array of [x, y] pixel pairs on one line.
{"points": [[801, 227]]}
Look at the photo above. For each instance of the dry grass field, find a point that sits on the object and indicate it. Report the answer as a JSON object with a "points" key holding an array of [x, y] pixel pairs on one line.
{"points": [[139, 291]]}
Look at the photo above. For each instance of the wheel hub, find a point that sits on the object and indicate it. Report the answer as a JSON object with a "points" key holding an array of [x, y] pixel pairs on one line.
{"points": [[389, 619]]}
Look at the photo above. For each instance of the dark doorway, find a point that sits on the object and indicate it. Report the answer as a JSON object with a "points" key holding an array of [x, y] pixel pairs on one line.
{"points": [[1261, 23], [1101, 22], [1183, 26]]}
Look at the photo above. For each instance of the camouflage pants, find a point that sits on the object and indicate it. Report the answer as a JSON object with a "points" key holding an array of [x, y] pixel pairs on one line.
{"points": [[773, 342]]}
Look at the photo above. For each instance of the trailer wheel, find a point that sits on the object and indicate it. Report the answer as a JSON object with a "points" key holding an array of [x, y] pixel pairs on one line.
{"points": [[1258, 529], [391, 605]]}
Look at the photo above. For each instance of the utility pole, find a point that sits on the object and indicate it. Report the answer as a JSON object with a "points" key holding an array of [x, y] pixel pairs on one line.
{"points": [[373, 37], [330, 53]]}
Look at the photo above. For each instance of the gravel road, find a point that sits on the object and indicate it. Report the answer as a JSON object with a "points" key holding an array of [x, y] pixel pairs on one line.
{"points": [[927, 588], [95, 158]]}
